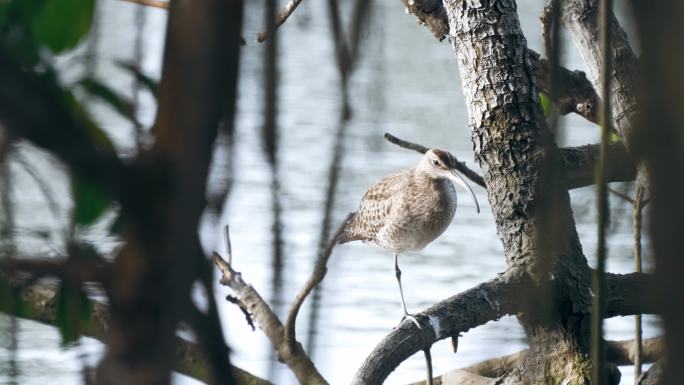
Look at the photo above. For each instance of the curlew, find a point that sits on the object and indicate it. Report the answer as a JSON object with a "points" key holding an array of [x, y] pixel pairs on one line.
{"points": [[406, 210]]}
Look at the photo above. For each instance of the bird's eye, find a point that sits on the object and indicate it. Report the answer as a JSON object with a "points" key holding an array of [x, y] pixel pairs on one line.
{"points": [[435, 162]]}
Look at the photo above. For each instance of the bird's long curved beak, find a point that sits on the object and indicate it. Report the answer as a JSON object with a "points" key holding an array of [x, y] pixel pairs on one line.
{"points": [[456, 177]]}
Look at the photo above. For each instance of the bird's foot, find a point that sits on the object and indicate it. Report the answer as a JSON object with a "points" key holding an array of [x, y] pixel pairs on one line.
{"points": [[412, 318]]}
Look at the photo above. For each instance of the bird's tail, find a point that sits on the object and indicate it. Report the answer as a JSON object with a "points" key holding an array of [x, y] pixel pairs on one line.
{"points": [[343, 235]]}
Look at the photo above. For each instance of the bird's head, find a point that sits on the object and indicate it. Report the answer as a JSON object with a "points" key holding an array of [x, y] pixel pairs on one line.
{"points": [[440, 164]]}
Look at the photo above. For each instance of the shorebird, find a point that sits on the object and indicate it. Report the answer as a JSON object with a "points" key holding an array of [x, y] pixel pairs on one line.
{"points": [[406, 210]]}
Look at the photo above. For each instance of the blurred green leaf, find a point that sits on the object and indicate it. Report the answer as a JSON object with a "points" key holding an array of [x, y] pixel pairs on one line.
{"points": [[614, 137], [146, 81], [11, 300], [90, 201], [4, 13], [118, 102], [16, 29], [61, 24], [546, 104], [72, 312]]}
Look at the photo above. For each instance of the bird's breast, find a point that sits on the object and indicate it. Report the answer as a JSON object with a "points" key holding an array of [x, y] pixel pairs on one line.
{"points": [[421, 216]]}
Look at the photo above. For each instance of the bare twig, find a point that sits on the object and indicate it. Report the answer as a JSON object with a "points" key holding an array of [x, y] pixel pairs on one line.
{"points": [[579, 162], [621, 195], [248, 317], [292, 355], [460, 166], [151, 3], [598, 357], [280, 19], [638, 346], [317, 275]]}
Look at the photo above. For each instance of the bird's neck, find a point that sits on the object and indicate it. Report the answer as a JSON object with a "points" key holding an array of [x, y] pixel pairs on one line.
{"points": [[422, 178]]}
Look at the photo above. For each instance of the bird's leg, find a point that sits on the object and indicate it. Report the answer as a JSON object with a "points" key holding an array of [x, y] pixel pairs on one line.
{"points": [[401, 292]]}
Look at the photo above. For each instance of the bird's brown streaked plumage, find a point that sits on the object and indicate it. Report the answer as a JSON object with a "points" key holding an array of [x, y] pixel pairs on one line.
{"points": [[408, 209]]}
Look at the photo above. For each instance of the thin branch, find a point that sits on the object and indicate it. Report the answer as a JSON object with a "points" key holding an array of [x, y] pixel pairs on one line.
{"points": [[280, 19], [579, 162], [317, 275], [460, 166], [39, 300], [151, 3], [636, 228], [292, 355], [245, 312], [621, 195], [598, 356]]}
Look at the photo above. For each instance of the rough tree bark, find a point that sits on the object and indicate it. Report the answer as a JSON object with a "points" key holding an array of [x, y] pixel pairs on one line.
{"points": [[580, 18], [511, 139]]}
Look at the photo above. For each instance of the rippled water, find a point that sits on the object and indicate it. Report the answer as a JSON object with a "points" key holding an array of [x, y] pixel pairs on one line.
{"points": [[407, 83]]}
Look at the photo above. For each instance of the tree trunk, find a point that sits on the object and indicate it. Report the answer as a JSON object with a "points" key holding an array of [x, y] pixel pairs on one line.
{"points": [[511, 141]]}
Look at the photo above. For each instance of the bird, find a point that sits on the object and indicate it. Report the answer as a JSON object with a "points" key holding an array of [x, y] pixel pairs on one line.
{"points": [[406, 210]]}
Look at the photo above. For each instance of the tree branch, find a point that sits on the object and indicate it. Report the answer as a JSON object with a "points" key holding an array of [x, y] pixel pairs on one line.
{"points": [[486, 302], [39, 300], [654, 374], [460, 166], [629, 294], [490, 301], [580, 18], [488, 371], [579, 162], [292, 355], [575, 92]]}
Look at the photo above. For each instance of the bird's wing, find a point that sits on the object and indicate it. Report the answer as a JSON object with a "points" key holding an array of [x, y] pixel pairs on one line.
{"points": [[376, 205]]}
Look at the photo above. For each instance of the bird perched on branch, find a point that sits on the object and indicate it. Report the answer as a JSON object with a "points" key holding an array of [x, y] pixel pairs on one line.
{"points": [[406, 210]]}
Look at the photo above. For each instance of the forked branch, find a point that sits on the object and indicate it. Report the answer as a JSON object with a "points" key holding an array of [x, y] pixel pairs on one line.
{"points": [[290, 353], [579, 163]]}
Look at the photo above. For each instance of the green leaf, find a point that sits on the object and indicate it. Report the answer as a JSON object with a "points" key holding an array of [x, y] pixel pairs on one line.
{"points": [[4, 13], [118, 102], [146, 81], [90, 201], [11, 300], [61, 24], [546, 104], [72, 312], [614, 137]]}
